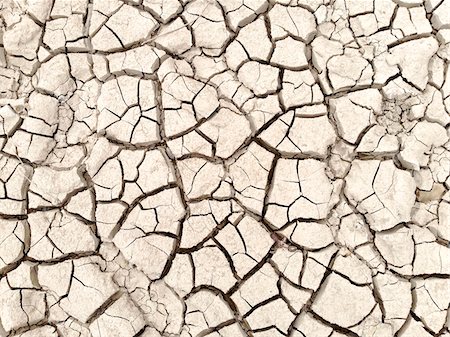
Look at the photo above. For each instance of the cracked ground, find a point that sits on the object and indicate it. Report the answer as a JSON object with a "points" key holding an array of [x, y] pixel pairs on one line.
{"points": [[224, 168]]}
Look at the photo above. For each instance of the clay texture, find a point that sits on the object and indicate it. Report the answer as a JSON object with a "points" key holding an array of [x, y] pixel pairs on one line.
{"points": [[224, 168]]}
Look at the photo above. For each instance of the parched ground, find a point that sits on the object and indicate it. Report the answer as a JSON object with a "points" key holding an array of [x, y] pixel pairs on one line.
{"points": [[224, 168]]}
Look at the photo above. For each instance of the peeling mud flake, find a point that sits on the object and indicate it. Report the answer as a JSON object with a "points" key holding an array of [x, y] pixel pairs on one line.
{"points": [[300, 189], [375, 189], [355, 302]]}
